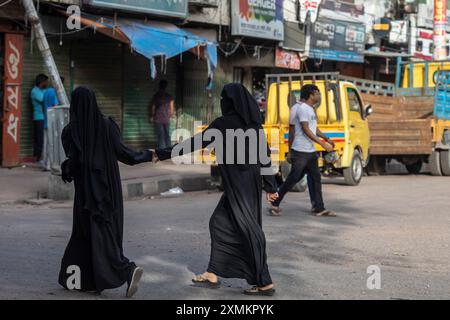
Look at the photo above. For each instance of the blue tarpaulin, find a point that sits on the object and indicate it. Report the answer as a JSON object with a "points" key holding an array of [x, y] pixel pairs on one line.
{"points": [[165, 40]]}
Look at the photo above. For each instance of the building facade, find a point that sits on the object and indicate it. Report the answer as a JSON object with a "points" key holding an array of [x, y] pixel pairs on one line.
{"points": [[253, 38]]}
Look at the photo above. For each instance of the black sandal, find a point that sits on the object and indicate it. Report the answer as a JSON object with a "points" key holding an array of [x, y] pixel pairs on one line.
{"points": [[201, 282], [255, 291]]}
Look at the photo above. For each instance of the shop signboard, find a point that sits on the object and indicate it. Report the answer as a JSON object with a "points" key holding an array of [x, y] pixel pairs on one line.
{"points": [[287, 59], [171, 8], [338, 40], [12, 102], [258, 19]]}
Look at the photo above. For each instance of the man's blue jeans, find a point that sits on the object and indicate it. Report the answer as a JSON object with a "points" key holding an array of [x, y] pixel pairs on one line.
{"points": [[163, 134]]}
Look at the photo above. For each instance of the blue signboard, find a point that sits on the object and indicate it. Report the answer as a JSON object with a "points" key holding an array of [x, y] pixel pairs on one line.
{"points": [[171, 8], [338, 40]]}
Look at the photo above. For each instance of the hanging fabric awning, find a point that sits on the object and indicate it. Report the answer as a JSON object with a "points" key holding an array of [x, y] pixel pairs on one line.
{"points": [[155, 39]]}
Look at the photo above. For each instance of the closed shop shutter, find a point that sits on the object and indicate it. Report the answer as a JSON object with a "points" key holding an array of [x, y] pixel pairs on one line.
{"points": [[139, 91], [197, 106], [34, 65], [195, 95], [98, 65]]}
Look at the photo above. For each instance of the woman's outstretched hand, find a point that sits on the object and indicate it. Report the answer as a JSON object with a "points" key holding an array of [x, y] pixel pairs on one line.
{"points": [[271, 197]]}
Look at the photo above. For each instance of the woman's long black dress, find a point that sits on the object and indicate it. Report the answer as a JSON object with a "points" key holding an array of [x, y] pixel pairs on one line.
{"points": [[93, 149], [238, 243]]}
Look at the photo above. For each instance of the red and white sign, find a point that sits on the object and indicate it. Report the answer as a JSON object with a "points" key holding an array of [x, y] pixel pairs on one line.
{"points": [[440, 32], [12, 105], [309, 8], [287, 59]]}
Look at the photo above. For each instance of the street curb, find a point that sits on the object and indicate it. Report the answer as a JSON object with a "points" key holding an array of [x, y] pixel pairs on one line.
{"points": [[155, 186], [138, 188]]}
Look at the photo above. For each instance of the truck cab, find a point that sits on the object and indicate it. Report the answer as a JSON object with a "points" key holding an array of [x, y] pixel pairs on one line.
{"points": [[342, 116]]}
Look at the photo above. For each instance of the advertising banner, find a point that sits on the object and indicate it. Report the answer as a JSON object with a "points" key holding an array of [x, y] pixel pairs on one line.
{"points": [[258, 19], [12, 102], [338, 40], [171, 8], [287, 59]]}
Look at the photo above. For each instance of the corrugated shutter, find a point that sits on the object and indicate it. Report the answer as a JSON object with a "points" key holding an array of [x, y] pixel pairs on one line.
{"points": [[98, 65], [196, 104], [139, 90], [33, 65], [195, 95]]}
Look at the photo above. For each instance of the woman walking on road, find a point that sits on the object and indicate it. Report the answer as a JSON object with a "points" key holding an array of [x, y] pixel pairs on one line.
{"points": [[93, 146], [238, 243]]}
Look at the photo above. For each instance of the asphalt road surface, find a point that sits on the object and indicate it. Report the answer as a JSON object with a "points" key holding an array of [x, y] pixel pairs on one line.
{"points": [[400, 224]]}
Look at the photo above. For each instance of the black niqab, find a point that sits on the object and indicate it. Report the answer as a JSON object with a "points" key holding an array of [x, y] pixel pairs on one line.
{"points": [[93, 147], [237, 100], [90, 136], [238, 244]]}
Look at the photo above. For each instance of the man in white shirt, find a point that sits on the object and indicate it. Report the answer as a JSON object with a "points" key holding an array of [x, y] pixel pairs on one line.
{"points": [[303, 135]]}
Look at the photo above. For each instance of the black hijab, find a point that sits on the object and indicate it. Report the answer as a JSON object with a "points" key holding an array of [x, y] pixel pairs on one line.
{"points": [[237, 100], [90, 135]]}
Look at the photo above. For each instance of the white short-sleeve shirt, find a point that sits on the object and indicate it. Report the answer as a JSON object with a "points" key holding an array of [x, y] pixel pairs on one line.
{"points": [[301, 112]]}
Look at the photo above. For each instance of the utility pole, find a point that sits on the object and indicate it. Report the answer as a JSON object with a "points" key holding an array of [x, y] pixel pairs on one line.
{"points": [[43, 46], [440, 29]]}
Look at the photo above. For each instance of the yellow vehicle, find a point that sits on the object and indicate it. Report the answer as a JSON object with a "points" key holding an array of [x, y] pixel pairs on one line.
{"points": [[342, 116], [411, 118]]}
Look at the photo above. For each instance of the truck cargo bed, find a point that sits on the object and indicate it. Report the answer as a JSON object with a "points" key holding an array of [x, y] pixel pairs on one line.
{"points": [[401, 137], [400, 125]]}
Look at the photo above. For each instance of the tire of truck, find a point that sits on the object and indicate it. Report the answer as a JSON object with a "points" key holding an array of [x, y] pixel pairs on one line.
{"points": [[376, 166], [285, 168], [216, 178], [445, 163], [414, 168], [435, 164], [353, 175]]}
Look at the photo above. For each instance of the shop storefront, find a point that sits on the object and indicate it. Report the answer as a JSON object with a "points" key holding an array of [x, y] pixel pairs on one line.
{"points": [[11, 86]]}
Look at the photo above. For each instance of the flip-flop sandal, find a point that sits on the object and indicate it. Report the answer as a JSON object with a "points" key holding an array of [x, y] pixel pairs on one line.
{"points": [[201, 282], [255, 291], [326, 213], [275, 212]]}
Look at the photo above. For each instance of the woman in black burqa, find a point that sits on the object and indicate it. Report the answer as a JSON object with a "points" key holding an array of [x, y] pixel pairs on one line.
{"points": [[93, 145], [238, 244]]}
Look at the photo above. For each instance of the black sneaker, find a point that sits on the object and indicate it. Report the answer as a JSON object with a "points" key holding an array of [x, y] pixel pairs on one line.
{"points": [[133, 282]]}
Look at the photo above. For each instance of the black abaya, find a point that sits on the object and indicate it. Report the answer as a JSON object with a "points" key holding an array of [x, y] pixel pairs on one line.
{"points": [[238, 244], [93, 146]]}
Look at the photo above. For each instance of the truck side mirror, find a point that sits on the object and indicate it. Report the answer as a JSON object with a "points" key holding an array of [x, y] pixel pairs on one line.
{"points": [[369, 110]]}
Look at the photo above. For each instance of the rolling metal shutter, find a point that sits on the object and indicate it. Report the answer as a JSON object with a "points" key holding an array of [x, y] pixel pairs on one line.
{"points": [[98, 65], [197, 106], [33, 65], [139, 91]]}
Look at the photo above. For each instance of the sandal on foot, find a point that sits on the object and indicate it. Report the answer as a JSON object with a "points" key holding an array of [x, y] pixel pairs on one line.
{"points": [[275, 212], [325, 213], [201, 282], [255, 291]]}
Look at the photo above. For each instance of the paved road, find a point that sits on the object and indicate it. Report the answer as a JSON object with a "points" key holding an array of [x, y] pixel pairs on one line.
{"points": [[399, 223]]}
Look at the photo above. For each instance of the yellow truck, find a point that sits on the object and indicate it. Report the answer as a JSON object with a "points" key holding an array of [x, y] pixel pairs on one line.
{"points": [[411, 118], [342, 116], [409, 121]]}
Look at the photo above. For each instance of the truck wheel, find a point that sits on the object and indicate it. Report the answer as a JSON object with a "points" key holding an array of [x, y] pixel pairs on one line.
{"points": [[302, 186], [353, 175], [415, 168], [445, 163], [435, 164], [376, 166]]}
